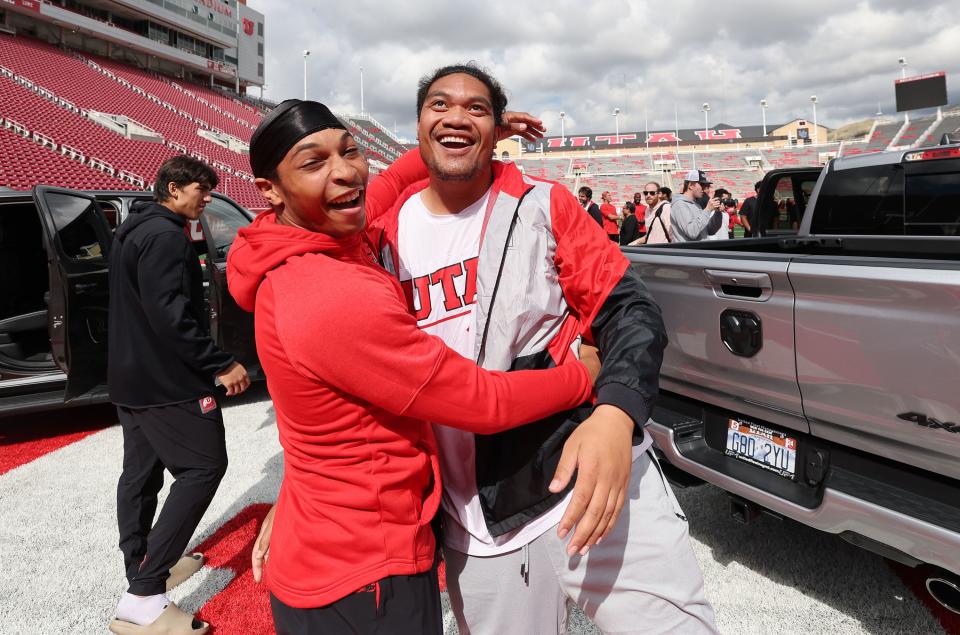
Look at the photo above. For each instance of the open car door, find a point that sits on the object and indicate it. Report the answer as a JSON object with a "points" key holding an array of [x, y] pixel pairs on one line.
{"points": [[77, 239], [231, 326]]}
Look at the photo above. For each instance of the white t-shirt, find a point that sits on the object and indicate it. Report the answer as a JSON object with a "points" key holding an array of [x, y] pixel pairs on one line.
{"points": [[438, 269], [434, 248]]}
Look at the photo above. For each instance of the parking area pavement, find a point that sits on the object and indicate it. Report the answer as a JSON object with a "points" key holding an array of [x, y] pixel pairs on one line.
{"points": [[62, 570]]}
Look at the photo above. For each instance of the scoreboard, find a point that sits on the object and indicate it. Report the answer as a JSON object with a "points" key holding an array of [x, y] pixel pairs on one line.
{"points": [[923, 91]]}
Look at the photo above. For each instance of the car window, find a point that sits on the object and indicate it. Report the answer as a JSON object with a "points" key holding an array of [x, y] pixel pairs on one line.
{"points": [[932, 204], [864, 201], [223, 220], [785, 214], [111, 212], [76, 222]]}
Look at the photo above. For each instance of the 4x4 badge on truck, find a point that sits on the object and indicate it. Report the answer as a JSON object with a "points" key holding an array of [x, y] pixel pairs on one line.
{"points": [[930, 422]]}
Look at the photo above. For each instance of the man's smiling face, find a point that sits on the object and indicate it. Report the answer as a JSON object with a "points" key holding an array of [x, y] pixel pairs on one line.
{"points": [[457, 130]]}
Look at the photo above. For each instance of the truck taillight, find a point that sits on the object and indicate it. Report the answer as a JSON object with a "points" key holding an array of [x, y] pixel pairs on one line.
{"points": [[925, 155]]}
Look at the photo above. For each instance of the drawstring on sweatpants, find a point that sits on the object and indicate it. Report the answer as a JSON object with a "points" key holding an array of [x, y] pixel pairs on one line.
{"points": [[525, 565]]}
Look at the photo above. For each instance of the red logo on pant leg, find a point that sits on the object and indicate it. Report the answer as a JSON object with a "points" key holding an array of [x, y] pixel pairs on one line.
{"points": [[207, 404]]}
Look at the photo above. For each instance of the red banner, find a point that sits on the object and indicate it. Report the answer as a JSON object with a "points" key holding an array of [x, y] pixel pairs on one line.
{"points": [[30, 5]]}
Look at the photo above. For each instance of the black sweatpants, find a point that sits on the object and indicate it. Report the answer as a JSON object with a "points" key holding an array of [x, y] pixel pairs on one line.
{"points": [[401, 604], [191, 445]]}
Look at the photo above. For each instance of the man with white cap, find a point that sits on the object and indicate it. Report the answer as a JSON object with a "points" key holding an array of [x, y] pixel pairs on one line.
{"points": [[688, 220]]}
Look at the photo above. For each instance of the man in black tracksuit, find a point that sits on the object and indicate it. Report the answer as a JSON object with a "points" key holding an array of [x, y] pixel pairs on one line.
{"points": [[162, 370]]}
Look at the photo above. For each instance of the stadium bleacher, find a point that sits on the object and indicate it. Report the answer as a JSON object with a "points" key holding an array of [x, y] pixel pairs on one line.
{"points": [[883, 134], [24, 164], [550, 169], [175, 95], [912, 132], [48, 92], [59, 87], [949, 123], [738, 182], [797, 157], [40, 115]]}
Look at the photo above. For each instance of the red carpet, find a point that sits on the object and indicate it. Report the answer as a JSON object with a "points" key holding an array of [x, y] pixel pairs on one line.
{"points": [[243, 606], [27, 438]]}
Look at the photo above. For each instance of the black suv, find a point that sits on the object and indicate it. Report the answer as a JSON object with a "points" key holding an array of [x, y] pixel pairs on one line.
{"points": [[54, 246]]}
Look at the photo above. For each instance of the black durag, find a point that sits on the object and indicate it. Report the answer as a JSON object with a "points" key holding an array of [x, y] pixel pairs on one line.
{"points": [[282, 128]]}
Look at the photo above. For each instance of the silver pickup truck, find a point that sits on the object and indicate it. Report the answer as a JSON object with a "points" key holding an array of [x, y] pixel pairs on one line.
{"points": [[815, 373]]}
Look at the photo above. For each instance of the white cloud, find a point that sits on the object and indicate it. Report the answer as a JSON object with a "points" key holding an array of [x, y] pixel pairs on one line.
{"points": [[642, 56]]}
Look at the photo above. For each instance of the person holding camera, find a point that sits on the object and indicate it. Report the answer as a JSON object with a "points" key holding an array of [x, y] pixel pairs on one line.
{"points": [[725, 231], [688, 220]]}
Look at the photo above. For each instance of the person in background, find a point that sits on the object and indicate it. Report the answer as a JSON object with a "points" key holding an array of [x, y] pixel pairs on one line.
{"points": [[162, 368], [640, 209], [749, 212], [585, 195], [610, 217], [688, 220], [721, 195], [658, 225], [650, 197], [630, 227]]}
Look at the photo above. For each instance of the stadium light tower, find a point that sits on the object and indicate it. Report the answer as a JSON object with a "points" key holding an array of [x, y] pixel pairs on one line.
{"points": [[306, 54], [903, 67], [361, 90], [816, 128], [706, 125], [616, 123], [646, 129], [563, 138], [763, 110]]}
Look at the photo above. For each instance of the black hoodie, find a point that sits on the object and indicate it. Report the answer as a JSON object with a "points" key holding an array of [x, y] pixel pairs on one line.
{"points": [[160, 347]]}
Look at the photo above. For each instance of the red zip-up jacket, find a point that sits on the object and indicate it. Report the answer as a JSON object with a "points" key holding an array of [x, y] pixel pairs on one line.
{"points": [[354, 382]]}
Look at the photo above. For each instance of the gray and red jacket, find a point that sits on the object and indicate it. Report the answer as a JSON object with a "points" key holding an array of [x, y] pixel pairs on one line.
{"points": [[547, 275]]}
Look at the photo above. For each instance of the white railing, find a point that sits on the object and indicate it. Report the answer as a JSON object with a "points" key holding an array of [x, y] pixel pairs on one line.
{"points": [[16, 127], [72, 152], [44, 140], [103, 166], [130, 177]]}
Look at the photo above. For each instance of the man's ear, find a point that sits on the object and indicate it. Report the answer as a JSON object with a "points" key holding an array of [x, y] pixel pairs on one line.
{"points": [[269, 191], [172, 190]]}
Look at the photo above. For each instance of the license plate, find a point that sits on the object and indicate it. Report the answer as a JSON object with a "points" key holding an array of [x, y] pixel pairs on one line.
{"points": [[761, 446]]}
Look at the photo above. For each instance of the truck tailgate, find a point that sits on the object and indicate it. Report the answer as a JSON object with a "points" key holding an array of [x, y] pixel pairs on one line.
{"points": [[878, 356], [694, 289]]}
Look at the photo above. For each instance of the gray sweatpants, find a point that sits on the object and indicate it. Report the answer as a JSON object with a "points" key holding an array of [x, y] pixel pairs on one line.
{"points": [[643, 577]]}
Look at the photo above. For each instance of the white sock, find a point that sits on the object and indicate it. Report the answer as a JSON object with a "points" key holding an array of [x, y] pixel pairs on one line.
{"points": [[141, 609]]}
